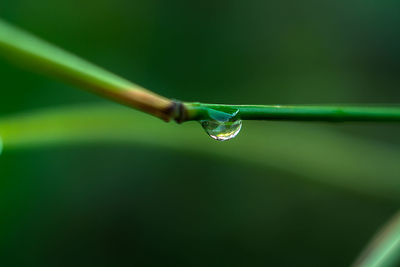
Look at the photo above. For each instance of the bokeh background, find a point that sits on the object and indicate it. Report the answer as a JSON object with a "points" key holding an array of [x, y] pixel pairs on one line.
{"points": [[139, 204]]}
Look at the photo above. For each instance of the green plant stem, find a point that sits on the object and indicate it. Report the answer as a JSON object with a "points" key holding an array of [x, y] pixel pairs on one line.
{"points": [[196, 111], [41, 56], [384, 249], [29, 50]]}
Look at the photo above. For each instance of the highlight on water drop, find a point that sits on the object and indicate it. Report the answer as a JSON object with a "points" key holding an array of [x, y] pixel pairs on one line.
{"points": [[222, 126]]}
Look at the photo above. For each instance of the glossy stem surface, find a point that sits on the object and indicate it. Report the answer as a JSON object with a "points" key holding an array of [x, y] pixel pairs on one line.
{"points": [[196, 111]]}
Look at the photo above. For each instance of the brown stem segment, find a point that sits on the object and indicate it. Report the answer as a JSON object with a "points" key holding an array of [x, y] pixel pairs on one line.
{"points": [[145, 101], [41, 56]]}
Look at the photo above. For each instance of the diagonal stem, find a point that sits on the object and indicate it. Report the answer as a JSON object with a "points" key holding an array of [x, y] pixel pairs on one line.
{"points": [[384, 249], [29, 50]]}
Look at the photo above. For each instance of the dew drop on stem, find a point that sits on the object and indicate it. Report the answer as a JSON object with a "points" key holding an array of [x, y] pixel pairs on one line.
{"points": [[222, 126]]}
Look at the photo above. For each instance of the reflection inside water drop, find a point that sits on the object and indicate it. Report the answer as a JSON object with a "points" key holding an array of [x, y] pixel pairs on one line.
{"points": [[222, 131], [222, 126]]}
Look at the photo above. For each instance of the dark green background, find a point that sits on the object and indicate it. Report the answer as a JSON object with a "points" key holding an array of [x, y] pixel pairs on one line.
{"points": [[98, 205]]}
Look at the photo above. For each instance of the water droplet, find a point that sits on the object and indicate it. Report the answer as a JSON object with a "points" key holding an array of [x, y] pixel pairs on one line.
{"points": [[222, 126]]}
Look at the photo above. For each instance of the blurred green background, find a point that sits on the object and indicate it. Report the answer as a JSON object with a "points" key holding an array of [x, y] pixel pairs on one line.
{"points": [[140, 204]]}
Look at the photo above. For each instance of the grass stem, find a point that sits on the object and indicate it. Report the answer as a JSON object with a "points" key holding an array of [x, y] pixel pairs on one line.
{"points": [[384, 249], [31, 51], [197, 111], [41, 56]]}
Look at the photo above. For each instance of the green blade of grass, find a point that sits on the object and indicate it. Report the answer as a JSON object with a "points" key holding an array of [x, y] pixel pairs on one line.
{"points": [[29, 50], [313, 152], [384, 249]]}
